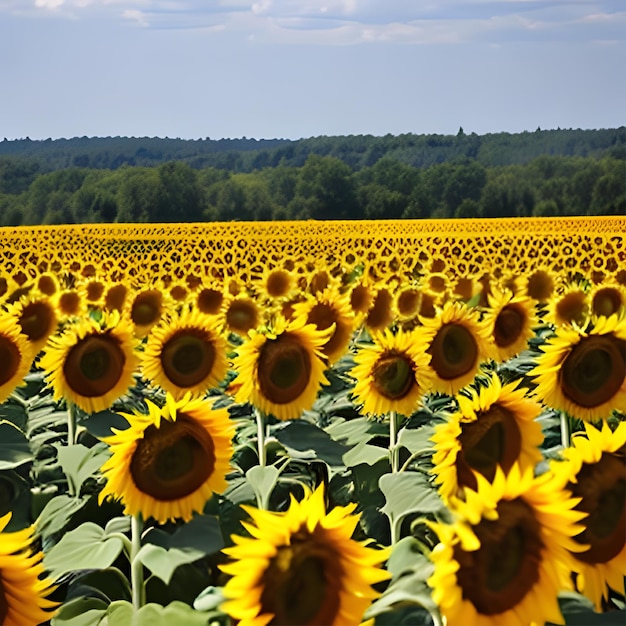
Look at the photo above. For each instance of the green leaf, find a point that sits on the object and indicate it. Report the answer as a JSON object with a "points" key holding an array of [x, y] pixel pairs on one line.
{"points": [[80, 612], [209, 600], [57, 513], [174, 613], [407, 556], [364, 453], [108, 584], [263, 479], [79, 463], [14, 447], [101, 424], [578, 610], [162, 562], [416, 439], [406, 493], [351, 432], [303, 436], [86, 547]]}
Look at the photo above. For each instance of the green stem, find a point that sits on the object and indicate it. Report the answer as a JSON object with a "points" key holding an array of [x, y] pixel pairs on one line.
{"points": [[136, 566], [260, 429], [565, 433], [393, 441], [71, 423]]}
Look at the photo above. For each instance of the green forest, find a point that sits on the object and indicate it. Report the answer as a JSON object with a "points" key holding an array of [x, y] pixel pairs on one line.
{"points": [[117, 179]]}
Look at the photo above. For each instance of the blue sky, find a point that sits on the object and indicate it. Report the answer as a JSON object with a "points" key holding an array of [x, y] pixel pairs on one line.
{"points": [[302, 68]]}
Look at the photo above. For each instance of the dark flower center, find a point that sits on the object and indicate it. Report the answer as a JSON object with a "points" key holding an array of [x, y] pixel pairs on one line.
{"points": [[278, 283], [174, 460], [210, 300], [188, 357], [393, 375], [602, 487], [94, 365], [607, 301], [509, 325], [284, 369], [147, 307], [302, 583], [380, 315], [242, 316], [37, 320], [453, 351], [497, 576], [9, 359], [594, 370]]}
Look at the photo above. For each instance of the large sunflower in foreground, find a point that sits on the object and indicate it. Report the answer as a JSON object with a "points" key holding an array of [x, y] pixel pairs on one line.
{"points": [[301, 567], [510, 319], [92, 363], [506, 556], [583, 372], [594, 470], [494, 427], [392, 374], [329, 308], [185, 353], [280, 369], [168, 463], [16, 355], [458, 342], [23, 588]]}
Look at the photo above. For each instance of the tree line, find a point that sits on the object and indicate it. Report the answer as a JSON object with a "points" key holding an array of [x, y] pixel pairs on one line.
{"points": [[323, 187]]}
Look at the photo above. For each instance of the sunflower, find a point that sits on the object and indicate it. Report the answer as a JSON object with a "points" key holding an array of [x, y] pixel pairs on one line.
{"points": [[506, 556], [408, 300], [583, 371], [70, 304], [608, 298], [240, 314], [301, 567], [146, 308], [540, 285], [276, 283], [168, 463], [381, 313], [23, 587], [594, 471], [37, 316], [185, 353], [209, 298], [115, 297], [510, 320], [281, 368], [16, 355], [494, 427], [570, 307], [457, 343], [92, 363], [392, 374], [329, 308]]}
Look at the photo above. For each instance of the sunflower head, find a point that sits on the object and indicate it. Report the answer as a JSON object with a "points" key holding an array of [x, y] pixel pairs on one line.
{"points": [[381, 313], [569, 307], [281, 368], [608, 299], [168, 463], [146, 309], [209, 299], [16, 355], [115, 297], [23, 586], [458, 342], [37, 317], [185, 353], [392, 374], [494, 428], [583, 371], [594, 471], [240, 314], [329, 309], [505, 558], [92, 362], [301, 567], [511, 320], [540, 285]]}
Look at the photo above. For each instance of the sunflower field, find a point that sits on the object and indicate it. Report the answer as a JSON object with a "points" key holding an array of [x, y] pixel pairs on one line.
{"points": [[314, 423]]}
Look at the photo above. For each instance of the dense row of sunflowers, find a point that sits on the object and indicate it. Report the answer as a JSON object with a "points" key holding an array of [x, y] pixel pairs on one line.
{"points": [[201, 365]]}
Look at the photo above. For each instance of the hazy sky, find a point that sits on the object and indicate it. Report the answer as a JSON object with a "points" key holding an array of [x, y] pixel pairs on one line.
{"points": [[302, 68]]}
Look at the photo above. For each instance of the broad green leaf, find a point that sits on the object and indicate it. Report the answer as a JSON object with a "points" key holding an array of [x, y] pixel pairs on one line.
{"points": [[304, 436], [109, 584], [174, 613], [407, 556], [117, 525], [101, 424], [162, 562], [578, 610], [79, 463], [57, 513], [14, 446], [263, 479], [86, 547], [406, 493], [364, 453], [350, 432], [416, 439], [80, 612]]}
